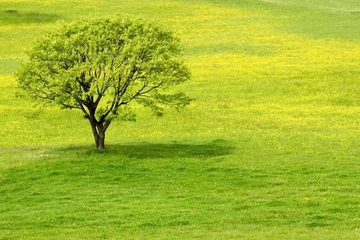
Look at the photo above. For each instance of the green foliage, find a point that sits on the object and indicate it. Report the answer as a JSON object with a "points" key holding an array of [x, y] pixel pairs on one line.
{"points": [[105, 64], [100, 66]]}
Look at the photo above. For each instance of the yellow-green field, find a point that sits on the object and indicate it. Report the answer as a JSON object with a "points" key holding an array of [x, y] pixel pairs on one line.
{"points": [[269, 149]]}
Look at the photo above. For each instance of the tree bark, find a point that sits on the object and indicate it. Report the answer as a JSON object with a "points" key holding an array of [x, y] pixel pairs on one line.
{"points": [[98, 133], [100, 143]]}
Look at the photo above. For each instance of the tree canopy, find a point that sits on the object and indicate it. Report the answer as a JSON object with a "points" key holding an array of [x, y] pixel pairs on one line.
{"points": [[101, 66]]}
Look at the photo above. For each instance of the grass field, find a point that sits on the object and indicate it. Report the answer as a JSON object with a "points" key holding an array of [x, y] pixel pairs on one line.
{"points": [[268, 150]]}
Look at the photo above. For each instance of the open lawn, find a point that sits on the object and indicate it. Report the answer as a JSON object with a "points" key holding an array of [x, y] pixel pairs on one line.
{"points": [[268, 150]]}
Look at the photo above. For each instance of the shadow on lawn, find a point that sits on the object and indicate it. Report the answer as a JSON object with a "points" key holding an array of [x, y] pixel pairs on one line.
{"points": [[12, 16], [161, 150]]}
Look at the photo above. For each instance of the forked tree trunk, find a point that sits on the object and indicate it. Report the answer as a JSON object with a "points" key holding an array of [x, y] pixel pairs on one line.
{"points": [[100, 141], [98, 133]]}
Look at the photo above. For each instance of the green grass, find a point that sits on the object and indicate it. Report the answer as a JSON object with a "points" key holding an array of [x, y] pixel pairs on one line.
{"points": [[15, 17], [155, 191], [123, 193], [269, 149]]}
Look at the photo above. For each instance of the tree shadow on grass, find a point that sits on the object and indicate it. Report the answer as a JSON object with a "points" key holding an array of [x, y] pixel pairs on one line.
{"points": [[12, 16], [162, 150]]}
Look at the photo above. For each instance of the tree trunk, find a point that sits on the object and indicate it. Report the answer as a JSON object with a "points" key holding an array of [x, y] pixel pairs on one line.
{"points": [[100, 143], [98, 132]]}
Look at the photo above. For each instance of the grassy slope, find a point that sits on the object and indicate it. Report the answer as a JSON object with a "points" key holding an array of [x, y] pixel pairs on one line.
{"points": [[280, 90]]}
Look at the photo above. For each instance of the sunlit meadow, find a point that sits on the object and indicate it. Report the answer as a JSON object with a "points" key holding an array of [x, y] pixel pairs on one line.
{"points": [[269, 148]]}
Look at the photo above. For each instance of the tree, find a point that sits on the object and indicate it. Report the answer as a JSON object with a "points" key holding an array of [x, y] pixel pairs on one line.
{"points": [[102, 66]]}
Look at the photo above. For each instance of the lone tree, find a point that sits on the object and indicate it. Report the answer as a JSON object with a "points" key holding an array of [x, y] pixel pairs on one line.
{"points": [[102, 66]]}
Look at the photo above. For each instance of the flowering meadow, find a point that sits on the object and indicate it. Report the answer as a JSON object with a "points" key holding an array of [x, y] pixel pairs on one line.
{"points": [[268, 149]]}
